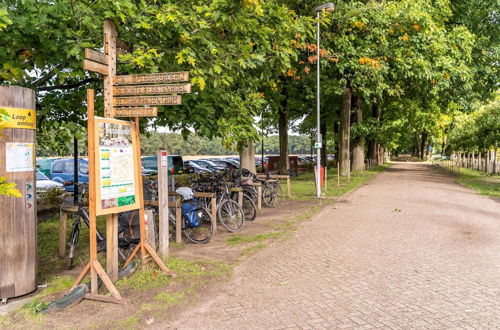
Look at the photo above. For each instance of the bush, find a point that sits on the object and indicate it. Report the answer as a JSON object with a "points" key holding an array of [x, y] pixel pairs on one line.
{"points": [[53, 198]]}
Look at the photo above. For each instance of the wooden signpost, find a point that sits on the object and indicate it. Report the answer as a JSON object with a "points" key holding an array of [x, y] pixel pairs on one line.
{"points": [[112, 188]]}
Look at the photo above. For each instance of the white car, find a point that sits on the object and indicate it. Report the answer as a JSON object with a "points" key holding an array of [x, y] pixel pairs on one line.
{"points": [[43, 183]]}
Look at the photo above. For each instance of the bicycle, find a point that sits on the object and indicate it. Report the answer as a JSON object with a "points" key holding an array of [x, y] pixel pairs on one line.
{"points": [[126, 243], [230, 214], [272, 192], [196, 221]]}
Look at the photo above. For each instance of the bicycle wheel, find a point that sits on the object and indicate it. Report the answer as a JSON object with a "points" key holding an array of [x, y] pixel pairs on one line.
{"points": [[272, 194], [231, 215], [73, 241], [203, 232], [249, 208]]}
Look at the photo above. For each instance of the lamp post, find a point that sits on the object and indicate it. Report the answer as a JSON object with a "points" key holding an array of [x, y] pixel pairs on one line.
{"points": [[326, 7]]}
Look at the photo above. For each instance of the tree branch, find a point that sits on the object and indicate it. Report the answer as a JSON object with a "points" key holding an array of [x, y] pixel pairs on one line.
{"points": [[69, 86], [48, 76]]}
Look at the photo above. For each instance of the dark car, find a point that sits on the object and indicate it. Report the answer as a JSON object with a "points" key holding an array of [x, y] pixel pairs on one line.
{"points": [[208, 164], [191, 167], [175, 164], [62, 171], [233, 160], [224, 163]]}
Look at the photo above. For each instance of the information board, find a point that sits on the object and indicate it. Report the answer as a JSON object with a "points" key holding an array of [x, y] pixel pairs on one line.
{"points": [[116, 161], [19, 157]]}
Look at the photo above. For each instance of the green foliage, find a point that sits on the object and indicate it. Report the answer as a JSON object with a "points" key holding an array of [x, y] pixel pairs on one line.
{"points": [[53, 198]]}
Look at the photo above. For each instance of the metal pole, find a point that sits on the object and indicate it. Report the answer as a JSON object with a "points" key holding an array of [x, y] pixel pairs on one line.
{"points": [[262, 145], [318, 133], [75, 171]]}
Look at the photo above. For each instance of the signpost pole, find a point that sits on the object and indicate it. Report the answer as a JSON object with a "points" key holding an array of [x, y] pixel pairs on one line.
{"points": [[163, 202]]}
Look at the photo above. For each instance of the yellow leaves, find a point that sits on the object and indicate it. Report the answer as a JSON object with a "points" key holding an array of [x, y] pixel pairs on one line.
{"points": [[375, 63], [416, 27], [274, 86], [307, 69], [391, 31], [199, 81], [255, 4], [405, 37], [298, 35], [446, 76], [334, 59], [184, 38], [433, 81], [358, 24], [291, 72]]}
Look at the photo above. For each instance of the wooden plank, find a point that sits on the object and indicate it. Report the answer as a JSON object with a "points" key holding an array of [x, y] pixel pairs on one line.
{"points": [[106, 280], [112, 246], [95, 56], [152, 78], [150, 228], [103, 298], [136, 112], [94, 287], [81, 276], [289, 186], [178, 228], [153, 89], [214, 214], [110, 51], [95, 67], [163, 202], [63, 223], [147, 100], [259, 197]]}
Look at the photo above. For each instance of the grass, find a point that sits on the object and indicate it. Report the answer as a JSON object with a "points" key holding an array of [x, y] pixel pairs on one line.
{"points": [[241, 239], [253, 249], [303, 188], [488, 185]]}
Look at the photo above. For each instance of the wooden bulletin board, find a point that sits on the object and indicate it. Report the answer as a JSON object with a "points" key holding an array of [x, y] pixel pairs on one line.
{"points": [[117, 182]]}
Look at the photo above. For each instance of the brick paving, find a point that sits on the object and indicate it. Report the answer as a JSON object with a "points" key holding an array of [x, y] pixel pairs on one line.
{"points": [[362, 264]]}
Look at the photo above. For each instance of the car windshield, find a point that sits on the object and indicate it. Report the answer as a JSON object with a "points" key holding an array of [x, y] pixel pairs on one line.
{"points": [[201, 163], [210, 163], [41, 176]]}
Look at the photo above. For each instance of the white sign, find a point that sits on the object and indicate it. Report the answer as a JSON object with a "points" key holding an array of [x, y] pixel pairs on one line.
{"points": [[19, 157], [318, 145], [116, 161]]}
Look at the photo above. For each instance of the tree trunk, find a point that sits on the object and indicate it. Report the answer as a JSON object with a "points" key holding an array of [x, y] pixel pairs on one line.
{"points": [[336, 139], [283, 137], [422, 144], [372, 143], [358, 144], [415, 146], [324, 153], [247, 157], [345, 118]]}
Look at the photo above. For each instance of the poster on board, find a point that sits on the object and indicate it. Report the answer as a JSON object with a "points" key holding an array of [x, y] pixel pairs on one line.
{"points": [[116, 161], [19, 157]]}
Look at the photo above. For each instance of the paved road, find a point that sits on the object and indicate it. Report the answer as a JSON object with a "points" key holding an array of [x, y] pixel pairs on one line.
{"points": [[364, 264]]}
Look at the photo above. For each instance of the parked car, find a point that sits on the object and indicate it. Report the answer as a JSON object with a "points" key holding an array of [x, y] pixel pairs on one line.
{"points": [[191, 167], [43, 183], [175, 164], [221, 162], [62, 171], [208, 164], [44, 165], [234, 160]]}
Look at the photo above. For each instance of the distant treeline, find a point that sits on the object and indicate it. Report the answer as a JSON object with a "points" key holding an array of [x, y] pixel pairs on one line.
{"points": [[197, 145]]}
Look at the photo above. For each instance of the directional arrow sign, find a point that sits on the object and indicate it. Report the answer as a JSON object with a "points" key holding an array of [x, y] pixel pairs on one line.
{"points": [[152, 78], [95, 67], [136, 112], [96, 56], [152, 89], [147, 100]]}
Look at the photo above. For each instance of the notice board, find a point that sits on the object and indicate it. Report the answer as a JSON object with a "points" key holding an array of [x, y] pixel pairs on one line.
{"points": [[117, 166]]}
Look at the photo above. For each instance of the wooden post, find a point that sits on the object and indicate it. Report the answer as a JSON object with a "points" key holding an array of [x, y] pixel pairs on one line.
{"points": [[163, 202], [289, 186], [338, 176], [112, 246], [259, 197], [213, 202], [18, 222], [94, 287], [150, 228], [240, 197], [178, 215], [63, 223]]}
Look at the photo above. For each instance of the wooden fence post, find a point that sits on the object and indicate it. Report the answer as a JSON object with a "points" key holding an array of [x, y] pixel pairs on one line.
{"points": [[162, 158]]}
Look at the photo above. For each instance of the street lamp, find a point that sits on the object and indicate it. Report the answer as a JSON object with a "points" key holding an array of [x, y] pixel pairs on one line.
{"points": [[326, 7]]}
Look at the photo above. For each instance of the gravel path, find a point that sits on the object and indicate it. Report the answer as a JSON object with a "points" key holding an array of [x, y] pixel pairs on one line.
{"points": [[411, 249]]}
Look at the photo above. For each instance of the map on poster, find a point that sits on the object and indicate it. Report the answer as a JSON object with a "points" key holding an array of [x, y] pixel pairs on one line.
{"points": [[116, 171], [19, 157]]}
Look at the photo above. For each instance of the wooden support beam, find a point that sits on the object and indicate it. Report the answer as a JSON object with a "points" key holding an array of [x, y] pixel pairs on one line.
{"points": [[63, 223], [112, 246]]}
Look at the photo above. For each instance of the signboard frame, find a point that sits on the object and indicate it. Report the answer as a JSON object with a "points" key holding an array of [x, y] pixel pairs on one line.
{"points": [[117, 209]]}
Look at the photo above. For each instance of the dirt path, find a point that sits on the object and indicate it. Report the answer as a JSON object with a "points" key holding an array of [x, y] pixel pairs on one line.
{"points": [[411, 249]]}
